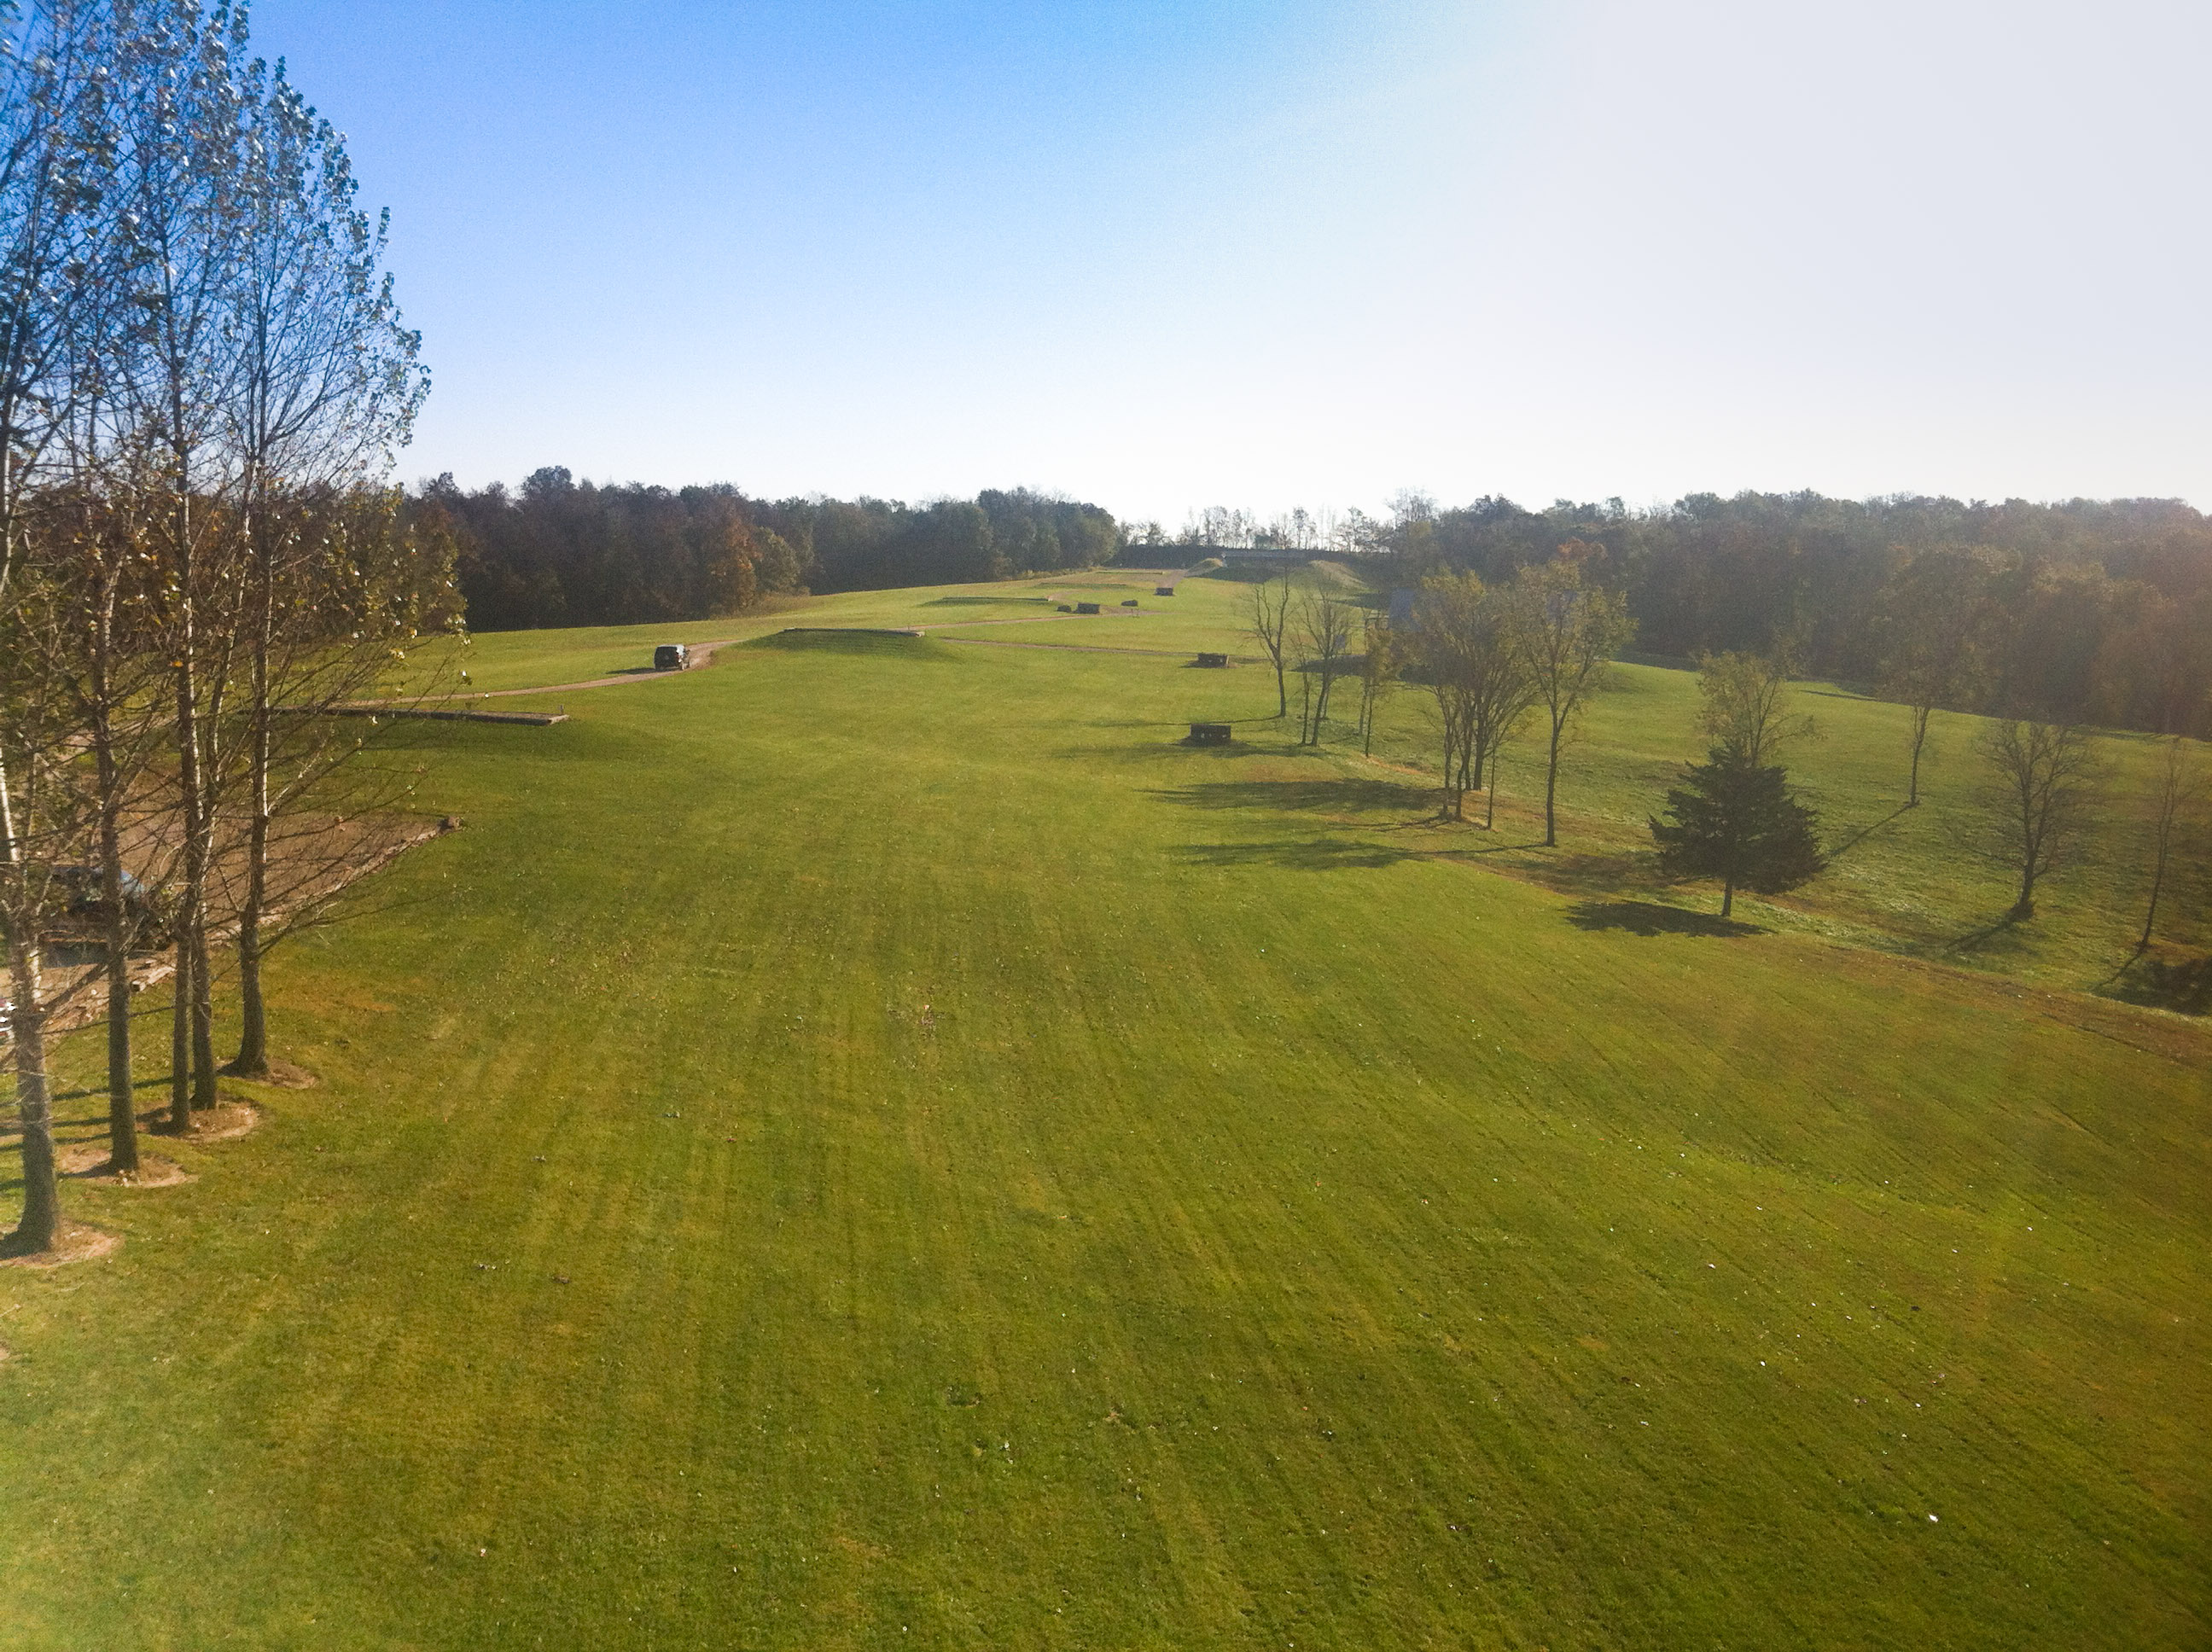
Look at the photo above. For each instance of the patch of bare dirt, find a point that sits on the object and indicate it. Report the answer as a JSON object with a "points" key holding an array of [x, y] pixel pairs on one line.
{"points": [[74, 1242], [230, 1118], [227, 1120], [281, 1075], [312, 861], [89, 1161]]}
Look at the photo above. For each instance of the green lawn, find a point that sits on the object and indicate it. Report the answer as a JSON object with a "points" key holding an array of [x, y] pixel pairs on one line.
{"points": [[875, 1144]]}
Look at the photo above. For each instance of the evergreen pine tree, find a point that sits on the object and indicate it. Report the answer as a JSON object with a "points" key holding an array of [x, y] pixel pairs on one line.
{"points": [[1737, 822]]}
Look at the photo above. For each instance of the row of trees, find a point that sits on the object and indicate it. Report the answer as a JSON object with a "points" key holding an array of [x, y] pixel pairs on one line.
{"points": [[204, 379], [2082, 611], [1735, 817], [561, 552], [1492, 656], [1350, 532]]}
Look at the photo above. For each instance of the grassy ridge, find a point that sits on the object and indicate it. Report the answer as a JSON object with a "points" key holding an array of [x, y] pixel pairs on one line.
{"points": [[1021, 1182]]}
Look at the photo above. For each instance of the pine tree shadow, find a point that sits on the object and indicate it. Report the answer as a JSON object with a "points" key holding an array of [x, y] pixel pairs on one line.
{"points": [[1650, 917]]}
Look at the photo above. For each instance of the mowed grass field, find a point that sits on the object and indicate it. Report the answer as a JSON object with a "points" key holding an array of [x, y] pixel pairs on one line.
{"points": [[875, 1144]]}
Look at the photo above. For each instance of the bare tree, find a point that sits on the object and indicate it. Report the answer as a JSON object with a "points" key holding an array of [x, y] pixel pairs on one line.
{"points": [[2179, 781], [1270, 625], [325, 391], [354, 614], [51, 64], [1744, 706], [2044, 778], [1932, 615], [1461, 645], [1379, 666], [36, 741], [50, 809], [1567, 633], [101, 652], [177, 111], [1323, 639]]}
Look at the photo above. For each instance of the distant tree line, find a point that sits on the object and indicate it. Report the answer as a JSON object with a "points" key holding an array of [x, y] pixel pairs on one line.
{"points": [[2083, 611], [1222, 527], [556, 552]]}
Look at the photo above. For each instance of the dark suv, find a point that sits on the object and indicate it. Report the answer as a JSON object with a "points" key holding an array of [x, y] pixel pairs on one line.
{"points": [[84, 908]]}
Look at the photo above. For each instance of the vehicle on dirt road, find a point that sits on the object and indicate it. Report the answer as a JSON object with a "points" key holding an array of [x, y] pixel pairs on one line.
{"points": [[83, 916], [671, 657]]}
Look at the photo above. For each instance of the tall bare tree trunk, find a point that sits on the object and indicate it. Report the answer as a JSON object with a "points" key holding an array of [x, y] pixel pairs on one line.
{"points": [[203, 1096], [122, 1115], [1552, 785], [41, 1189], [1920, 714], [26, 1022], [199, 825], [253, 1057], [180, 1038], [122, 1101], [2150, 913], [2172, 785]]}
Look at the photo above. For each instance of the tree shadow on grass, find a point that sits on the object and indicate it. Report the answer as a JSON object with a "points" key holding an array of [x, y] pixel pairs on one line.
{"points": [[2165, 977], [1156, 751], [161, 1082], [1330, 796], [1867, 831], [1650, 917], [1301, 854], [2003, 936]]}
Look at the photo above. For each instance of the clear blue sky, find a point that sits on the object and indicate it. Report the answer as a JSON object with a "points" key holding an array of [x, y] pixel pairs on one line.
{"points": [[1164, 255]]}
